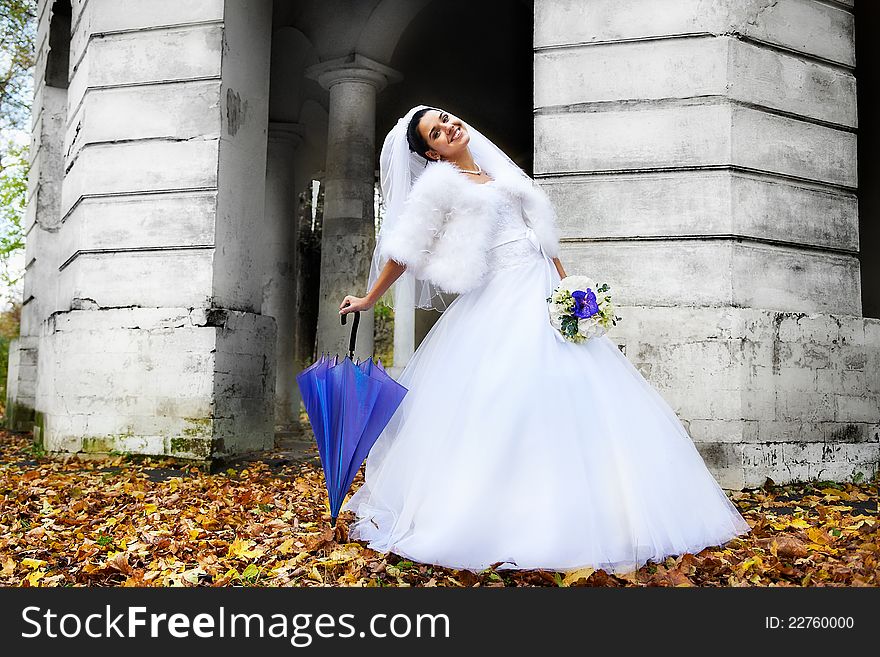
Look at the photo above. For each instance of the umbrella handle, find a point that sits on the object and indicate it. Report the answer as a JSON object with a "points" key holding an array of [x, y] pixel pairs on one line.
{"points": [[354, 330]]}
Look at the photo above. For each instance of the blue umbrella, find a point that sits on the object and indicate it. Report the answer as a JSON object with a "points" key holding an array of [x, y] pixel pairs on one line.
{"points": [[349, 404]]}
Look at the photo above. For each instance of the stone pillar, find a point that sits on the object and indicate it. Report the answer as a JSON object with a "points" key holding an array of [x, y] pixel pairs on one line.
{"points": [[702, 155], [404, 331], [348, 235], [157, 344], [281, 265], [43, 216]]}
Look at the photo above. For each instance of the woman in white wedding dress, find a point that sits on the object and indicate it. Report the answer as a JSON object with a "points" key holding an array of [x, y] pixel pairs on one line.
{"points": [[512, 444]]}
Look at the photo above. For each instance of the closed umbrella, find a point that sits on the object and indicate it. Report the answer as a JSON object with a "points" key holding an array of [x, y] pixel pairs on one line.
{"points": [[348, 404]]}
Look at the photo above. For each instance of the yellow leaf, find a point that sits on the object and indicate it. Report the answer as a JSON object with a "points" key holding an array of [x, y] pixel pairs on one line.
{"points": [[575, 575], [151, 508], [8, 566], [286, 547], [748, 563], [34, 577], [834, 492], [315, 575], [868, 520], [799, 523], [240, 548], [194, 534], [818, 536], [33, 564]]}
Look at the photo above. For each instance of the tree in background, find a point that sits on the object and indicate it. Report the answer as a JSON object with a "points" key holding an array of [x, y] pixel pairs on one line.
{"points": [[14, 168], [17, 33], [17, 28]]}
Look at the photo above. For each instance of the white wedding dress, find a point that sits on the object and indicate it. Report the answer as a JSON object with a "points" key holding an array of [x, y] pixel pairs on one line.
{"points": [[513, 445]]}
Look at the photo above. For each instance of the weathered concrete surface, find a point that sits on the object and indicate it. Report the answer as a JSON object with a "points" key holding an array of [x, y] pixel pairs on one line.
{"points": [[708, 203], [704, 66], [815, 28], [694, 134], [163, 381], [241, 179], [281, 265], [155, 343], [708, 272], [702, 158], [145, 112], [40, 226], [791, 396], [21, 383]]}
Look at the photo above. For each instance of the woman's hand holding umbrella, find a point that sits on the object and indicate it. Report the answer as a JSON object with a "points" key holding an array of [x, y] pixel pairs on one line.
{"points": [[352, 304]]}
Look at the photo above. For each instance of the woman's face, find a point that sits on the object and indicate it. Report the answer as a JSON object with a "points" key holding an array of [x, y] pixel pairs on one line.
{"points": [[445, 134]]}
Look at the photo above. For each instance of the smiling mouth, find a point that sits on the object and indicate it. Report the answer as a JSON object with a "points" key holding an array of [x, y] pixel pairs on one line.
{"points": [[455, 135]]}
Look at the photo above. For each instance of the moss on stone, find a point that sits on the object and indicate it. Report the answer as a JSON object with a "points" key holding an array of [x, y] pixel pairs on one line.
{"points": [[98, 444], [198, 427], [199, 447], [112, 443], [39, 429], [19, 417]]}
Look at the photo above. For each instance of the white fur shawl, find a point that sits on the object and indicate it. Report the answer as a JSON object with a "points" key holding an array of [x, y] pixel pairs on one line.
{"points": [[443, 232]]}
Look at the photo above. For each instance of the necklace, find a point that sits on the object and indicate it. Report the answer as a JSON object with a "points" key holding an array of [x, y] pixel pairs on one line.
{"points": [[477, 172]]}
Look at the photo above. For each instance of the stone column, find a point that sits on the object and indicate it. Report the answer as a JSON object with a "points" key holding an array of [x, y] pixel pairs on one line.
{"points": [[404, 331], [157, 344], [702, 155], [43, 217], [279, 278], [348, 236]]}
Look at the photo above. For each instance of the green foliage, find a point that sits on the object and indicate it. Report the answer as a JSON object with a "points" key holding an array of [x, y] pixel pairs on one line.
{"points": [[14, 168], [17, 29], [383, 333], [36, 450], [17, 34]]}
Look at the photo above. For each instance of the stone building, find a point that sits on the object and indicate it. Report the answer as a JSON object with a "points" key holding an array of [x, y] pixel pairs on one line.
{"points": [[703, 155]]}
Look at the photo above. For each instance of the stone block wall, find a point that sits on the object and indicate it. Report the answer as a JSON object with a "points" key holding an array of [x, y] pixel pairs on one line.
{"points": [[166, 381], [790, 396], [702, 157], [151, 339]]}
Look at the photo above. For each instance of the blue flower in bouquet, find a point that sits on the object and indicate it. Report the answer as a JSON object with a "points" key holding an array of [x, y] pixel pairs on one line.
{"points": [[585, 304], [580, 309]]}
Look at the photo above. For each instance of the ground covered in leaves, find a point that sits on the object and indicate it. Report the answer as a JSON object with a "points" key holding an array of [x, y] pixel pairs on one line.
{"points": [[155, 522]]}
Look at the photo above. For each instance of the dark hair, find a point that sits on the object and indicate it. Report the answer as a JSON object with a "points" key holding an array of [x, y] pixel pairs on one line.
{"points": [[416, 142]]}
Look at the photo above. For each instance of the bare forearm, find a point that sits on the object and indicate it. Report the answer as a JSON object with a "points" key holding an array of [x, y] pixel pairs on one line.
{"points": [[559, 267], [390, 273]]}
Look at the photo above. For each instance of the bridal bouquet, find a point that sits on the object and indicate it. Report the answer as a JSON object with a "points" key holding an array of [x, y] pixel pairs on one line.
{"points": [[580, 309]]}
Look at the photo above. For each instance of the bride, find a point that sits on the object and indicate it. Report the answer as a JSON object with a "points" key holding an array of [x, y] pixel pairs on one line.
{"points": [[513, 446]]}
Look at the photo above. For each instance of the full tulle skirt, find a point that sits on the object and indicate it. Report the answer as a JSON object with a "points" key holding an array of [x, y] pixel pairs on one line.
{"points": [[515, 446]]}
